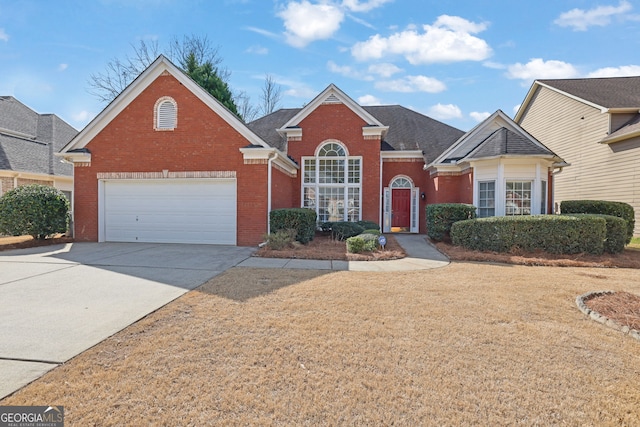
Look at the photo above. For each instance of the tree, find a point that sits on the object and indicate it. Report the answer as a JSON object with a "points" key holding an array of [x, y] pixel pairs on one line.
{"points": [[206, 75], [120, 73], [246, 110], [271, 95], [36, 210]]}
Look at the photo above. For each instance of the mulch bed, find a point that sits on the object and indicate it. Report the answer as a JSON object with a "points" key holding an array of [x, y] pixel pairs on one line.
{"points": [[630, 258], [23, 242], [324, 247], [621, 307]]}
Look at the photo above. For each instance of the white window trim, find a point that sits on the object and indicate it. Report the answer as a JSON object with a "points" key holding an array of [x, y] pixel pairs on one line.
{"points": [[156, 114], [345, 186]]}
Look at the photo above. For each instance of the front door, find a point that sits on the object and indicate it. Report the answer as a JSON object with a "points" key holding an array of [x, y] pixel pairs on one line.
{"points": [[401, 207]]}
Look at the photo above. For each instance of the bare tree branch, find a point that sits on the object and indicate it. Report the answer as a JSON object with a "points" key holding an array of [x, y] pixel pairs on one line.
{"points": [[247, 111], [271, 95]]}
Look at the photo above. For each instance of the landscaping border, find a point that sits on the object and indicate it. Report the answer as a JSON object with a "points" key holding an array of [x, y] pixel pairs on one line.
{"points": [[594, 315]]}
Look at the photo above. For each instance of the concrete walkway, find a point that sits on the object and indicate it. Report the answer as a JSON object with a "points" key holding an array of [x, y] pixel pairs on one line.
{"points": [[421, 255]]}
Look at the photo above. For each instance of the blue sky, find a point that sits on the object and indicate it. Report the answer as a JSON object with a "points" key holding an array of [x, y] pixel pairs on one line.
{"points": [[454, 60]]}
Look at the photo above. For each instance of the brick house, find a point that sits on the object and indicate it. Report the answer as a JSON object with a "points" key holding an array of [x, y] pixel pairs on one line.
{"points": [[28, 143], [166, 162]]}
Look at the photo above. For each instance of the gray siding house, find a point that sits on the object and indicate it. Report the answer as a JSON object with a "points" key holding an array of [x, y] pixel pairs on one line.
{"points": [[28, 143], [594, 125]]}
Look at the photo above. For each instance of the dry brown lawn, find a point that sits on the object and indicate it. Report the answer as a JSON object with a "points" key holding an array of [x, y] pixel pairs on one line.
{"points": [[467, 344]]}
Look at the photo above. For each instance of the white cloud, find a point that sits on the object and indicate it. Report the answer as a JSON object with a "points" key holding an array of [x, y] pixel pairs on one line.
{"points": [[81, 116], [63, 67], [494, 65], [580, 19], [384, 69], [262, 32], [479, 116], [363, 6], [445, 111], [258, 50], [347, 71], [306, 22], [537, 68], [410, 84], [516, 108], [449, 39], [623, 71], [3, 35], [369, 100]]}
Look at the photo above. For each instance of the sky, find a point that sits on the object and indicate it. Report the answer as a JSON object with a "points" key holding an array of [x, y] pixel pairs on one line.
{"points": [[456, 61]]}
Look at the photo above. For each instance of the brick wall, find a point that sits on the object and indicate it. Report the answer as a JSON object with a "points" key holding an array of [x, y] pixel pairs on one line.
{"points": [[201, 142], [338, 122]]}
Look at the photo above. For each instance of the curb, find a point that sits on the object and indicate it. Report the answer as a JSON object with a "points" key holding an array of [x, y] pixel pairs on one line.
{"points": [[594, 315]]}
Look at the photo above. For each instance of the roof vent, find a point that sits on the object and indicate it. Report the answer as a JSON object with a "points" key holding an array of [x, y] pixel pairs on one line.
{"points": [[332, 99]]}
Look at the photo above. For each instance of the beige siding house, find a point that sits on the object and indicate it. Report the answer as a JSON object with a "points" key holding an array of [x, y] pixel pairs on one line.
{"points": [[594, 125]]}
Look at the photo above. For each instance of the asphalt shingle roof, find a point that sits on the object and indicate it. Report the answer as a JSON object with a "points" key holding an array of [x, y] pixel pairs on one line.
{"points": [[609, 92], [408, 130], [28, 140]]}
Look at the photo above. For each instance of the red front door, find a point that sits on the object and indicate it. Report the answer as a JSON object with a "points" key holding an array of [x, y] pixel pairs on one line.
{"points": [[401, 207]]}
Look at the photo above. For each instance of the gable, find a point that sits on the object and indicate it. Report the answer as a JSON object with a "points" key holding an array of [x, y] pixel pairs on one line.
{"points": [[332, 96]]}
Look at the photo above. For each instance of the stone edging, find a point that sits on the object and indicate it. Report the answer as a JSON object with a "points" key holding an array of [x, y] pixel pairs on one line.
{"points": [[603, 319]]}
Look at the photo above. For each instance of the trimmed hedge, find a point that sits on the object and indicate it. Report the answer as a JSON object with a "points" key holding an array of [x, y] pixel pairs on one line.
{"points": [[441, 216], [557, 234], [616, 232], [36, 210], [302, 220], [602, 207], [368, 225], [342, 230]]}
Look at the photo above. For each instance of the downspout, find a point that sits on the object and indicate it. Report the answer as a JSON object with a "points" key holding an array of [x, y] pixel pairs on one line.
{"points": [[272, 157], [381, 204]]}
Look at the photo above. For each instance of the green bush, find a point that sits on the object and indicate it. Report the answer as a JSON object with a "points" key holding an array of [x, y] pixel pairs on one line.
{"points": [[372, 231], [364, 242], [619, 209], [557, 234], [36, 210], [368, 225], [302, 220], [342, 230], [441, 216], [616, 235], [281, 239]]}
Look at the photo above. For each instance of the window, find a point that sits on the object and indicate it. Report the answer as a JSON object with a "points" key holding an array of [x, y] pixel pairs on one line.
{"points": [[543, 197], [518, 198], [165, 114], [331, 184], [486, 199]]}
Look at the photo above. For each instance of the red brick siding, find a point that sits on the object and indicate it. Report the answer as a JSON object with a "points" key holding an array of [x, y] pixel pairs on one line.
{"points": [[282, 190], [202, 142], [338, 122], [451, 188]]}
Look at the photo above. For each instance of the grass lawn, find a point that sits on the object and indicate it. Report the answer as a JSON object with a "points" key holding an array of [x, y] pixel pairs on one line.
{"points": [[471, 343]]}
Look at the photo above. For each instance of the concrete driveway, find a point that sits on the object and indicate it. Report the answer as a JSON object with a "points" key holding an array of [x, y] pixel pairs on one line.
{"points": [[57, 301]]}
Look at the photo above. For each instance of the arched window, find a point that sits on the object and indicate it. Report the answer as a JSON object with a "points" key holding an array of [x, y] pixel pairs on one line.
{"points": [[332, 183], [165, 114], [401, 182]]}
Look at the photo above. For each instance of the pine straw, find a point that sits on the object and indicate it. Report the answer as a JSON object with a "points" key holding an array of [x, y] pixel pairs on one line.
{"points": [[621, 307], [468, 344], [630, 258], [325, 248]]}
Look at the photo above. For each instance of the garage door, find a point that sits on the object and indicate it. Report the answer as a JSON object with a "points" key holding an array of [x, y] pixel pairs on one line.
{"points": [[170, 211]]}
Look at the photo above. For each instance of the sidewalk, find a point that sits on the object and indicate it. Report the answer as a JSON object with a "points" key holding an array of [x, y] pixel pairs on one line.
{"points": [[421, 255]]}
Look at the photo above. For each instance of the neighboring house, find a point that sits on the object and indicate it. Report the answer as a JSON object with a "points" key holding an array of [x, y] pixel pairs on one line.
{"points": [[166, 162], [28, 143], [594, 124]]}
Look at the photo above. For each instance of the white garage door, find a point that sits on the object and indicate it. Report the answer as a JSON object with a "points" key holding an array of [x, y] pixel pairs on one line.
{"points": [[170, 211]]}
